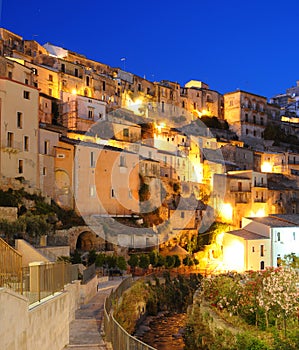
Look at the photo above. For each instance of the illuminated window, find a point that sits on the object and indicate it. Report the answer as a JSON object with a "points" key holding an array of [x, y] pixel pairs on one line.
{"points": [[92, 191]]}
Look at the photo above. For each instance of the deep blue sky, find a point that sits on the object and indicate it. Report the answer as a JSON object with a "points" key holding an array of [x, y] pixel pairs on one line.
{"points": [[251, 45]]}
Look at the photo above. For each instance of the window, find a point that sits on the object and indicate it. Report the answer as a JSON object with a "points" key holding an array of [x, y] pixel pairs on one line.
{"points": [[183, 104], [10, 139], [50, 77], [44, 171], [92, 191], [46, 147], [262, 250], [254, 119], [130, 194], [26, 95], [163, 107], [87, 81], [104, 86], [26, 143], [278, 236], [112, 193], [139, 87], [20, 167], [9, 75], [182, 214], [92, 160], [76, 72], [122, 161], [194, 105], [19, 120], [294, 236], [262, 265], [63, 67], [90, 113], [126, 132], [254, 132], [247, 132], [50, 92], [262, 121], [246, 117], [252, 249]]}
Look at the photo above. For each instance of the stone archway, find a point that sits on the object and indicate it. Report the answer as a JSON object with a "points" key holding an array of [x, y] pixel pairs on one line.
{"points": [[86, 241]]}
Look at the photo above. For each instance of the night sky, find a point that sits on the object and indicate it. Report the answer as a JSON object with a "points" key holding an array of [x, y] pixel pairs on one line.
{"points": [[250, 45]]}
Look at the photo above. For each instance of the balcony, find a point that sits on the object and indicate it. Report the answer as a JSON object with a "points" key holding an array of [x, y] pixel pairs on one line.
{"points": [[240, 190], [11, 146], [260, 200]]}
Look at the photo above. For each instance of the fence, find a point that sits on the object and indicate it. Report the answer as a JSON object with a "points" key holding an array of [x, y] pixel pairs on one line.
{"points": [[115, 333], [10, 267], [42, 280], [37, 281]]}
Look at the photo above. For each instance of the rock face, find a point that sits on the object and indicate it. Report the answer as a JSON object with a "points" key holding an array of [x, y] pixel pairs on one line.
{"points": [[163, 332]]}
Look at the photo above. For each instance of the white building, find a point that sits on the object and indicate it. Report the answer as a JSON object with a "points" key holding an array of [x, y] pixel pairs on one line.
{"points": [[262, 242]]}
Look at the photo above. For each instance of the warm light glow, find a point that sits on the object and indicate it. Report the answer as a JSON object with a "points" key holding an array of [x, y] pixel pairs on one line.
{"points": [[259, 214], [266, 167], [74, 92], [159, 127], [233, 256], [219, 238], [198, 172], [226, 212]]}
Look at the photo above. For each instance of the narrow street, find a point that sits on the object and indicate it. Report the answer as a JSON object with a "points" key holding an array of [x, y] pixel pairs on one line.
{"points": [[85, 330]]}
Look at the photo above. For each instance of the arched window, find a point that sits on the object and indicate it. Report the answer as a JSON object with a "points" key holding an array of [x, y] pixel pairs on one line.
{"points": [[262, 265]]}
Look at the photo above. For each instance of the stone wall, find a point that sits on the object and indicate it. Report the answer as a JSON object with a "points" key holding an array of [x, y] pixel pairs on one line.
{"points": [[9, 213]]}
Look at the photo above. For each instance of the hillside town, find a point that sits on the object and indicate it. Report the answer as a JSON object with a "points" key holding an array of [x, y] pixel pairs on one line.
{"points": [[104, 173], [166, 160]]}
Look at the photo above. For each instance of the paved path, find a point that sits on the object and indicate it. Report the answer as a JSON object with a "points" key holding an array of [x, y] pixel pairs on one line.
{"points": [[85, 330]]}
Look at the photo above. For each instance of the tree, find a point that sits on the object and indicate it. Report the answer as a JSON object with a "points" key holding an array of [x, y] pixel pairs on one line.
{"points": [[92, 256], [76, 257], [169, 261], [177, 261], [121, 263], [153, 255], [291, 260], [133, 262], [188, 261], [144, 261], [100, 260]]}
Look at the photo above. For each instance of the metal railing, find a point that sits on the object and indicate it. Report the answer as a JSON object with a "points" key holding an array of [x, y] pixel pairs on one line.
{"points": [[114, 332], [42, 280], [37, 281], [10, 267]]}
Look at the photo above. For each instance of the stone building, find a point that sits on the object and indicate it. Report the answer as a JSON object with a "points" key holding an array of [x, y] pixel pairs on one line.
{"points": [[247, 115]]}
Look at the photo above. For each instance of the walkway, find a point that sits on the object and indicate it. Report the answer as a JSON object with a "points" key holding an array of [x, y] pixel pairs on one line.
{"points": [[85, 330]]}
